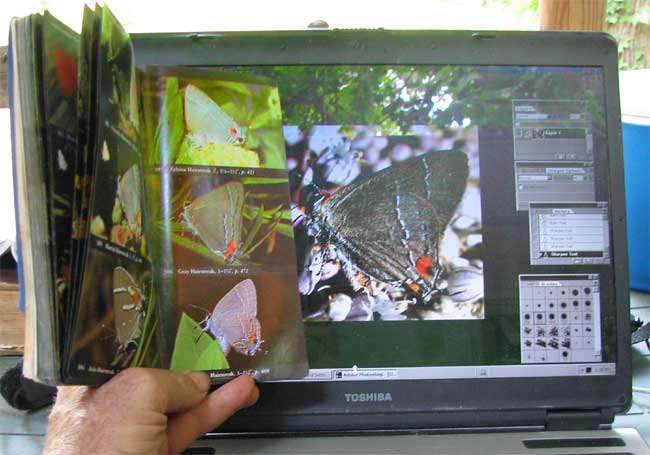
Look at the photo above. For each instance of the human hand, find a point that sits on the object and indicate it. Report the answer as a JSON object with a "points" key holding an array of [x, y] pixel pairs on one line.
{"points": [[142, 411]]}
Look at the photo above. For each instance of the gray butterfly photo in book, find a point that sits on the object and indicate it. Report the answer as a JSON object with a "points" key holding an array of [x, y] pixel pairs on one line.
{"points": [[234, 323]]}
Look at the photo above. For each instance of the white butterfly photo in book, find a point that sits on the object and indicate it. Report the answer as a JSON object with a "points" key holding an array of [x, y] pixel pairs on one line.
{"points": [[213, 138], [207, 122]]}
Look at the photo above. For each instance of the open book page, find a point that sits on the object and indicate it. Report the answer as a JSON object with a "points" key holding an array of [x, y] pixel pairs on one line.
{"points": [[86, 104], [115, 321], [30, 169], [18, 39], [43, 85], [59, 57], [218, 201]]}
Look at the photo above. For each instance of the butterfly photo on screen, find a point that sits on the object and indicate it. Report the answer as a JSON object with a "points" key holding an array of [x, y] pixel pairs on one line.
{"points": [[387, 228]]}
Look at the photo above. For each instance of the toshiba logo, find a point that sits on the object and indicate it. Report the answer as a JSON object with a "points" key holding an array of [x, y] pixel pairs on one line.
{"points": [[366, 397]]}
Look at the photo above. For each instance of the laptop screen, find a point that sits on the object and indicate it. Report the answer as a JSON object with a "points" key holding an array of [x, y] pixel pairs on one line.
{"points": [[450, 221]]}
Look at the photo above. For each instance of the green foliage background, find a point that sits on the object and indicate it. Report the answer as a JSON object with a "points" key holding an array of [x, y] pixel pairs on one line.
{"points": [[629, 22], [395, 98], [626, 20]]}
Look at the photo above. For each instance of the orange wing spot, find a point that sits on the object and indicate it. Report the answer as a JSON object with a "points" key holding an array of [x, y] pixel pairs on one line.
{"points": [[424, 266], [230, 251], [252, 337], [233, 131], [414, 287], [136, 298]]}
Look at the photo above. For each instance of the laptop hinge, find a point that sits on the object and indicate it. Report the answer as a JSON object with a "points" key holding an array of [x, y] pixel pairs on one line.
{"points": [[575, 420]]}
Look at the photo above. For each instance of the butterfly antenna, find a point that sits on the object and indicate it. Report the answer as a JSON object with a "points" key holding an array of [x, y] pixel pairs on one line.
{"points": [[203, 321], [204, 330]]}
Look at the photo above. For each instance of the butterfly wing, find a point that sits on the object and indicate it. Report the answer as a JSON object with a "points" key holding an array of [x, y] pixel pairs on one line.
{"points": [[234, 320], [207, 121], [126, 306], [128, 191], [389, 225], [216, 218]]}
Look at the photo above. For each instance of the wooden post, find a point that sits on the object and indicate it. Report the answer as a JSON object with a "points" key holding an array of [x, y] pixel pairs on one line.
{"points": [[573, 15]]}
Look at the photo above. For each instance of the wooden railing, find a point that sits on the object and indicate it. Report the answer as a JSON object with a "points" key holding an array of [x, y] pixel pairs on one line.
{"points": [[572, 15]]}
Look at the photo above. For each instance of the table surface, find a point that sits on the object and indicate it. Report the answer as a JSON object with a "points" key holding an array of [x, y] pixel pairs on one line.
{"points": [[21, 433]]}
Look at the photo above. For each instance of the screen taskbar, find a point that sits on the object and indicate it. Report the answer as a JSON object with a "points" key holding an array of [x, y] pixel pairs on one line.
{"points": [[463, 372]]}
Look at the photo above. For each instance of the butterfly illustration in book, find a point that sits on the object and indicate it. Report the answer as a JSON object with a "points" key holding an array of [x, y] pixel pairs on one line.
{"points": [[127, 210], [207, 122], [388, 227], [216, 219], [128, 190], [233, 321], [128, 305], [213, 138]]}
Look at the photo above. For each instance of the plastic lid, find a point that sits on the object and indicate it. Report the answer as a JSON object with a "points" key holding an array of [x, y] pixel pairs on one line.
{"points": [[635, 96]]}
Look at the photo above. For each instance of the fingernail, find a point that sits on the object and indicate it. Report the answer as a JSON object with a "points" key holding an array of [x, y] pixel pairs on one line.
{"points": [[201, 380]]}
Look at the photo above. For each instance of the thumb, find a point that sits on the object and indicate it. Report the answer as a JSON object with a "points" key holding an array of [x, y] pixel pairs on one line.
{"points": [[186, 427], [185, 390], [162, 391]]}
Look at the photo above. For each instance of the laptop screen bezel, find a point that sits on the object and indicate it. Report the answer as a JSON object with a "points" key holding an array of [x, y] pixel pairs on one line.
{"points": [[320, 406]]}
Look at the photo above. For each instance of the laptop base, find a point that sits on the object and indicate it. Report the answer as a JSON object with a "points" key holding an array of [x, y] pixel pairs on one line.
{"points": [[620, 441]]}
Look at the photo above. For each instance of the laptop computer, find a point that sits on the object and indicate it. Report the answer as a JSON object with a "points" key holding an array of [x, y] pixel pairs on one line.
{"points": [[459, 216]]}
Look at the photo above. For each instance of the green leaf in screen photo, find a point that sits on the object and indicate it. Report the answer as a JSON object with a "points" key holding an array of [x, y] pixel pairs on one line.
{"points": [[284, 229], [195, 350]]}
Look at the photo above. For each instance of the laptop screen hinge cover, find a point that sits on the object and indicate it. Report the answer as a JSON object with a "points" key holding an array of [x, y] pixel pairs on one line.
{"points": [[575, 420]]}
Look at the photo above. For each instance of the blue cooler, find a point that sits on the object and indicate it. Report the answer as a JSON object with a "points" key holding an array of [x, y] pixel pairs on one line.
{"points": [[635, 107]]}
